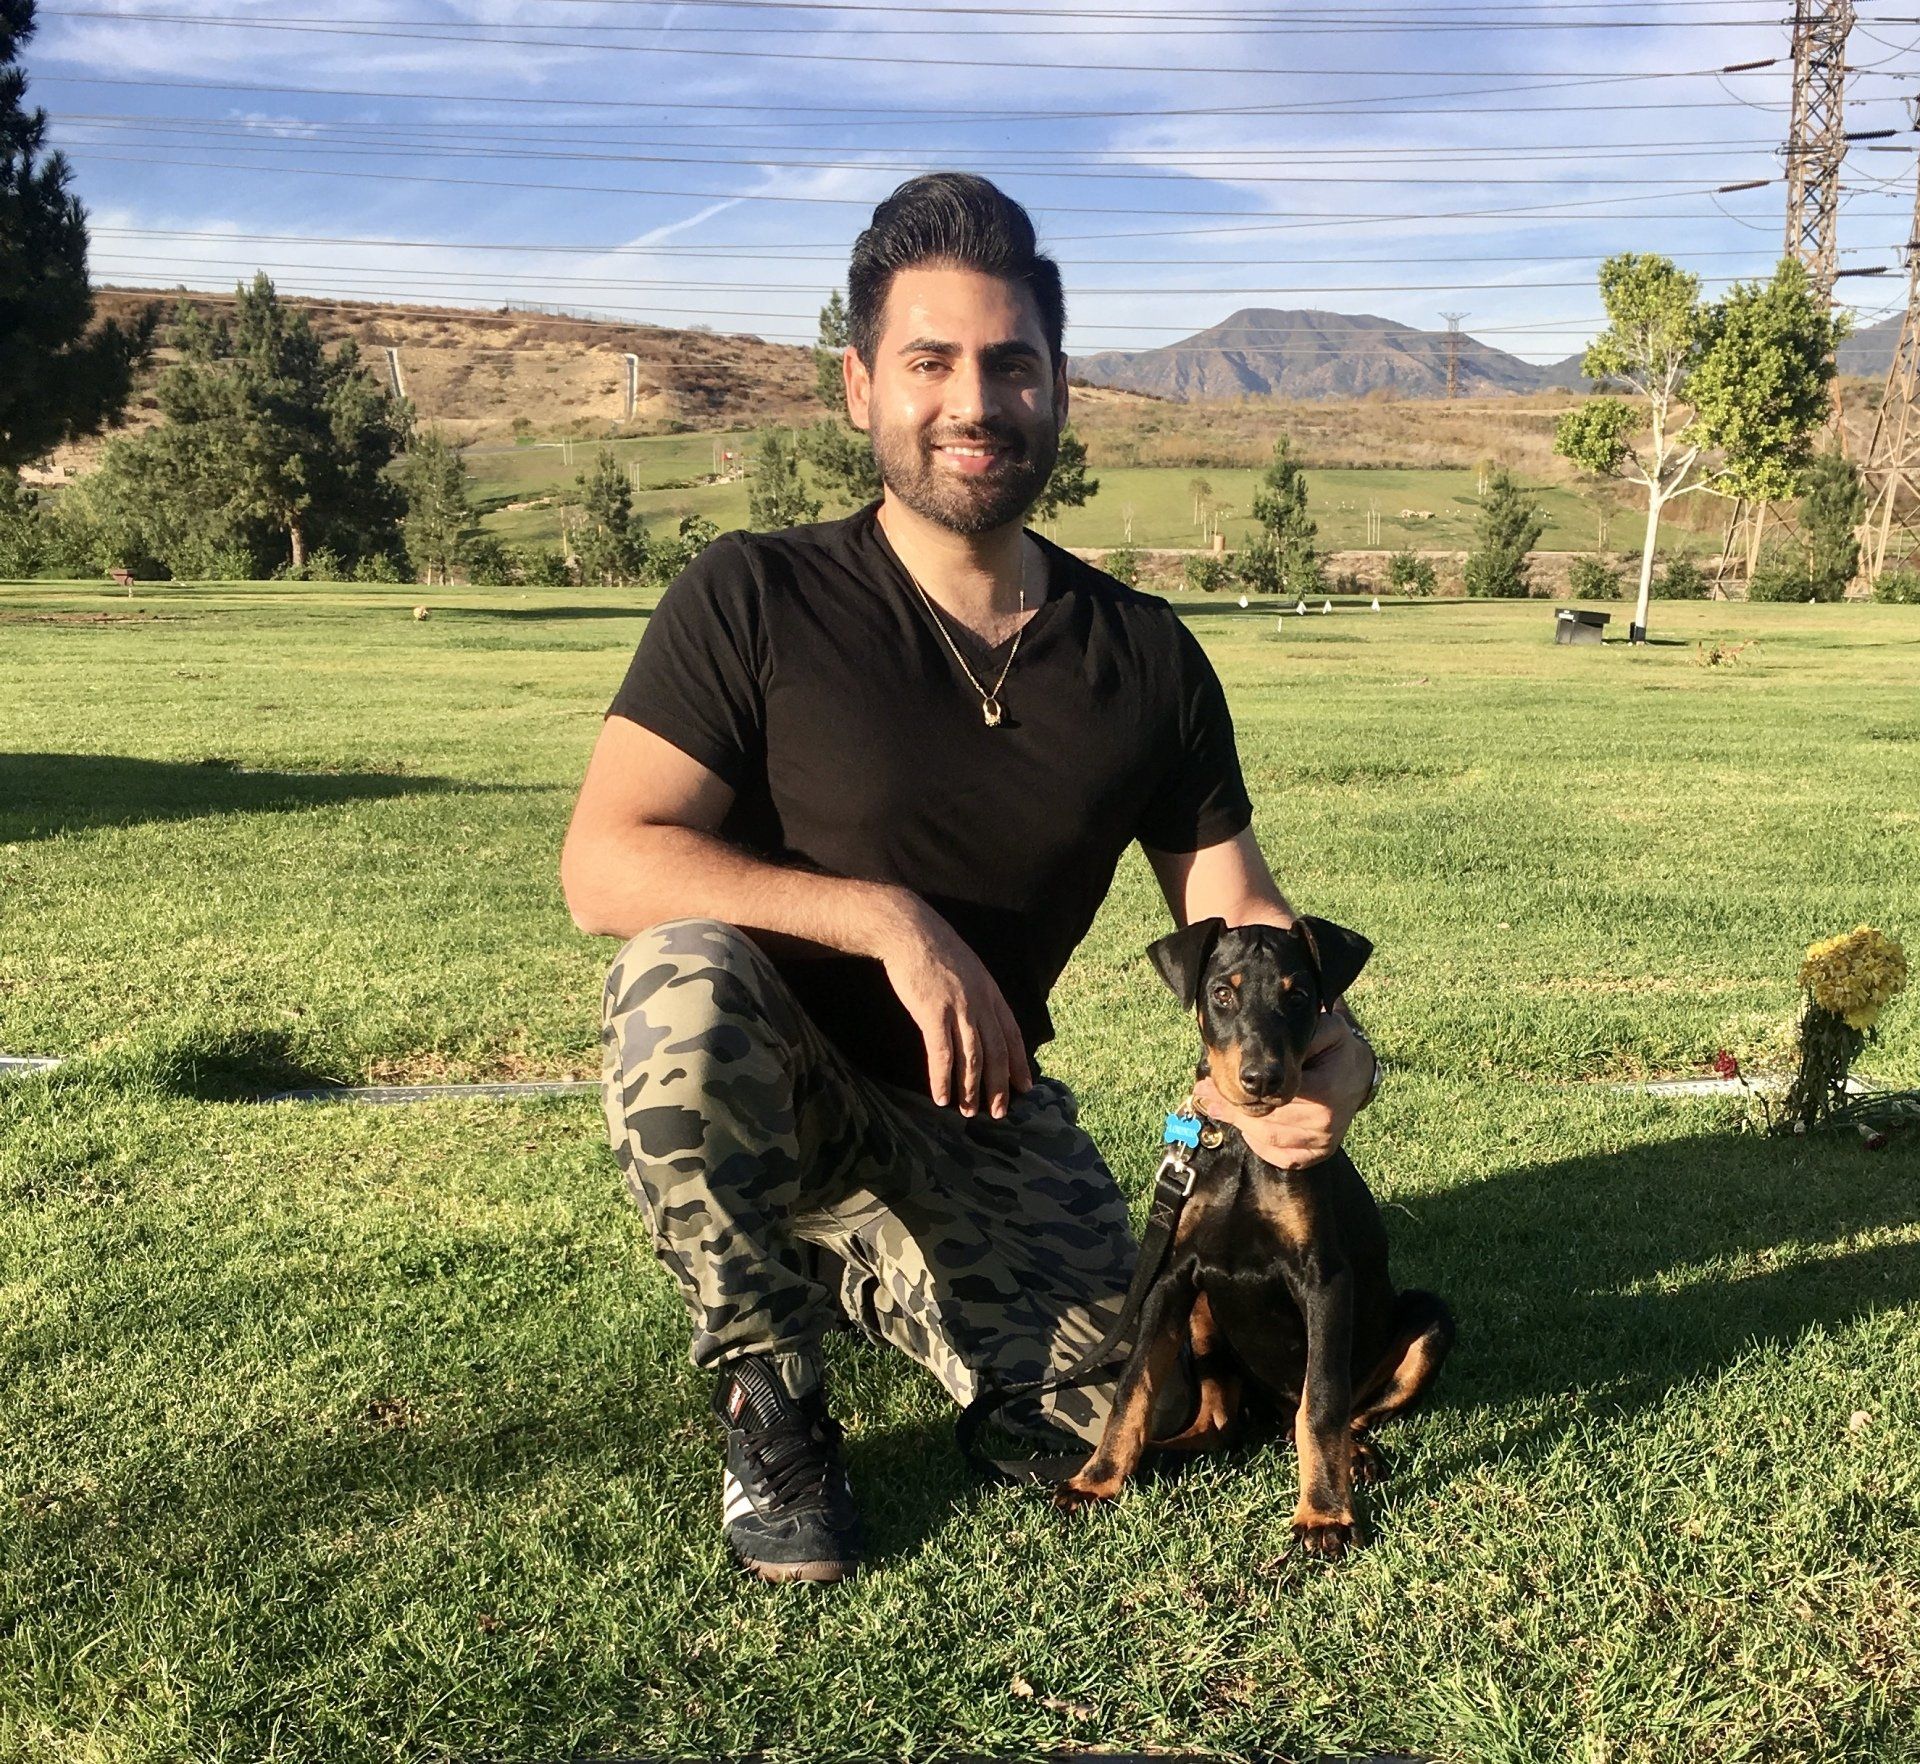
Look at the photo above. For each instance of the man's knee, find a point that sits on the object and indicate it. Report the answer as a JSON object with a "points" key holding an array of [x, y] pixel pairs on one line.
{"points": [[693, 973]]}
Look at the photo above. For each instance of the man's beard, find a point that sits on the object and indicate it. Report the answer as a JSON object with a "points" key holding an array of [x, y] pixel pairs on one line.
{"points": [[968, 506]]}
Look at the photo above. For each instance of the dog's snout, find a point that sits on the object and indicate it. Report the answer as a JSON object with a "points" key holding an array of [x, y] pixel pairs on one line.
{"points": [[1262, 1079]]}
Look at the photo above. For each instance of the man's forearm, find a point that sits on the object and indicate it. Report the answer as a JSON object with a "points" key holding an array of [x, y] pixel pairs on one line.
{"points": [[616, 885]]}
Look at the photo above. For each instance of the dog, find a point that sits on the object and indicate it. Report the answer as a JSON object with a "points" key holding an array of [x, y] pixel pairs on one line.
{"points": [[1278, 1277]]}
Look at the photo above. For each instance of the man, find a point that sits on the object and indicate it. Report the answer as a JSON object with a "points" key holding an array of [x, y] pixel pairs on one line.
{"points": [[859, 797]]}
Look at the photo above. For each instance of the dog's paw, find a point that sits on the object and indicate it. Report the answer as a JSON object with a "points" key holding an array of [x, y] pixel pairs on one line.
{"points": [[1370, 1464], [1328, 1540], [1076, 1496]]}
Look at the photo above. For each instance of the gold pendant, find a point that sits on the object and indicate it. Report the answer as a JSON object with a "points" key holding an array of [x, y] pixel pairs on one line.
{"points": [[990, 712]]}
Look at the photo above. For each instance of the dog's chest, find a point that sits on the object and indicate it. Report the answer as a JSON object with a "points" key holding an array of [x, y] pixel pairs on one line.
{"points": [[1245, 1217]]}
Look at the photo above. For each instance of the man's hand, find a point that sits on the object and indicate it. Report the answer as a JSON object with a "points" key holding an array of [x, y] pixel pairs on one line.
{"points": [[1333, 1089], [976, 1056]]}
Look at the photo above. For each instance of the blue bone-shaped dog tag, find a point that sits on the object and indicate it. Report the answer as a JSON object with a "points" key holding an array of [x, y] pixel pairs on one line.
{"points": [[1182, 1130]]}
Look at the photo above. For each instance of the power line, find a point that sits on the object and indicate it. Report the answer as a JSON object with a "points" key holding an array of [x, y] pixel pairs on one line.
{"points": [[226, 142], [838, 258], [878, 116], [1588, 150], [466, 36], [1267, 290]]}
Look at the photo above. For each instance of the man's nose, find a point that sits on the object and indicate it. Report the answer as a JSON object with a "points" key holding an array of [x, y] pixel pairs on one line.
{"points": [[966, 392]]}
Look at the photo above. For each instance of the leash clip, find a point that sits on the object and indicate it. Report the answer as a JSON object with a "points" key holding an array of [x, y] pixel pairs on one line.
{"points": [[1176, 1161]]}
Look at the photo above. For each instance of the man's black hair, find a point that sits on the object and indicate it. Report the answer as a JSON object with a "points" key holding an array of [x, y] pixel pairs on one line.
{"points": [[948, 218]]}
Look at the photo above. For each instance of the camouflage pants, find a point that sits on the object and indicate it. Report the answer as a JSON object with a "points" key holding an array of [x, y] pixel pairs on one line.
{"points": [[980, 1248]]}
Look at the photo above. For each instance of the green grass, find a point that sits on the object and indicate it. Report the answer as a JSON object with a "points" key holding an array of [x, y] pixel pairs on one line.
{"points": [[1160, 498], [368, 1434]]}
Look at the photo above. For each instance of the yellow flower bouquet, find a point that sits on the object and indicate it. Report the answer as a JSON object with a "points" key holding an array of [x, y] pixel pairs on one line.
{"points": [[1849, 980]]}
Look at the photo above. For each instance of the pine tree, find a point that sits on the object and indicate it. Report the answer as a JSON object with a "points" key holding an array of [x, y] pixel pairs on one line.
{"points": [[609, 544], [57, 378], [776, 492], [1831, 508], [439, 506], [1068, 485], [269, 443], [1509, 527], [841, 457], [1283, 558]]}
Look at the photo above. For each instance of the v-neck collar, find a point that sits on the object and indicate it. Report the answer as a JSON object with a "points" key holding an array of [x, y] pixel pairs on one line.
{"points": [[964, 635]]}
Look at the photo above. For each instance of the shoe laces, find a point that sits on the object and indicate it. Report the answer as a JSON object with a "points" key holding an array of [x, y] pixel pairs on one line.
{"points": [[798, 1457]]}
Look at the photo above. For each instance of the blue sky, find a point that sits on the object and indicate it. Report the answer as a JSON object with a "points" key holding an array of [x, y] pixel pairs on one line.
{"points": [[710, 162]]}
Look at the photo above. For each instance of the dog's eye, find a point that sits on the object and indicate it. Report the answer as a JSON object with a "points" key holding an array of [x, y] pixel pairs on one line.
{"points": [[1223, 994]]}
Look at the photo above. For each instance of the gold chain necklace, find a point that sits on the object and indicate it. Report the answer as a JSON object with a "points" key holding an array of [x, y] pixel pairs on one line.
{"points": [[990, 707]]}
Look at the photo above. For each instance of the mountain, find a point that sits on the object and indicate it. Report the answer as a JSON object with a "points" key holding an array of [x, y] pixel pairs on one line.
{"points": [[1869, 353], [1263, 352]]}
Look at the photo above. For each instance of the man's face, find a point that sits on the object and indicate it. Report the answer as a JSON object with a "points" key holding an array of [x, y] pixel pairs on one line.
{"points": [[962, 403]]}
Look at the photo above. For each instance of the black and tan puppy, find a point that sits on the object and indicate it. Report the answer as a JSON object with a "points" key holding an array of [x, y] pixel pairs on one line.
{"points": [[1278, 1276]]}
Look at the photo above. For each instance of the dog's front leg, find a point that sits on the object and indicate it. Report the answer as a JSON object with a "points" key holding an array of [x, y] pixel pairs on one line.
{"points": [[1163, 1327], [1323, 1522]]}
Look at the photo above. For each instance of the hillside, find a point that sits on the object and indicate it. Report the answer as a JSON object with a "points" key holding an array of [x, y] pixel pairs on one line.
{"points": [[1265, 352], [1868, 353], [487, 375]]}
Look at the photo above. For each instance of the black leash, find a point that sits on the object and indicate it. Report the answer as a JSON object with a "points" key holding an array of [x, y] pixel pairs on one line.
{"points": [[1172, 1184]]}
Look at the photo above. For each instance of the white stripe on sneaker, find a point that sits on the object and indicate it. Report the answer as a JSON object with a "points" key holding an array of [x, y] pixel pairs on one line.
{"points": [[734, 1500]]}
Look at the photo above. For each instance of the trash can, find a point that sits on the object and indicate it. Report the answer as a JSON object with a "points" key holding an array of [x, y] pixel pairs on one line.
{"points": [[1573, 624]]}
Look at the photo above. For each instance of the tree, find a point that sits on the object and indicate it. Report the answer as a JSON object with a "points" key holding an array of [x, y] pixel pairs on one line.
{"points": [[439, 507], [1508, 528], [1287, 531], [776, 492], [1068, 485], [841, 456], [1831, 510], [609, 544], [58, 377], [271, 448], [1746, 377]]}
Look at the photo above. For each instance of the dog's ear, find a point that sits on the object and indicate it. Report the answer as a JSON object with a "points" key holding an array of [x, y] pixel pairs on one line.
{"points": [[1180, 959], [1338, 953]]}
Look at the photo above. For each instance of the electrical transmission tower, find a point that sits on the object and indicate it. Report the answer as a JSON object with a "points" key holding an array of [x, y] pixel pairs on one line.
{"points": [[1816, 136], [1890, 471], [1453, 352], [1816, 147]]}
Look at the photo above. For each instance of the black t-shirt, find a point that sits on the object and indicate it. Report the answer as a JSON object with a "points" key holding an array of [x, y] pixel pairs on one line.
{"points": [[805, 670]]}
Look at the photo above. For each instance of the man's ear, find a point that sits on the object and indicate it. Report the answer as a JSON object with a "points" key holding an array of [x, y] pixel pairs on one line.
{"points": [[1338, 953], [858, 384], [1181, 958]]}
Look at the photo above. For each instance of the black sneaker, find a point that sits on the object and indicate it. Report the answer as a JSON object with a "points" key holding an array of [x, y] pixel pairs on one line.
{"points": [[788, 1509]]}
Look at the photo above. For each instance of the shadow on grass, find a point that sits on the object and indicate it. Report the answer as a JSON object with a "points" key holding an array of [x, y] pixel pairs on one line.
{"points": [[1623, 1277], [1592, 1286], [231, 1067], [44, 794], [537, 615]]}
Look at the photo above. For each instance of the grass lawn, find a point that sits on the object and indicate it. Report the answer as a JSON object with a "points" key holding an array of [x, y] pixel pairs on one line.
{"points": [[1160, 498], [368, 1434]]}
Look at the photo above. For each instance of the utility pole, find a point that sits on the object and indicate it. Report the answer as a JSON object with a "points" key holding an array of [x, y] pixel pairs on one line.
{"points": [[1890, 472], [1453, 353]]}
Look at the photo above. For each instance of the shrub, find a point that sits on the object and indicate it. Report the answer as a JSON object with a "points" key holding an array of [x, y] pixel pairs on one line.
{"points": [[1592, 578], [667, 558], [379, 566], [1682, 579], [489, 563], [1898, 588], [1780, 582], [541, 566], [1259, 567], [1123, 565], [1409, 573], [1207, 571]]}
